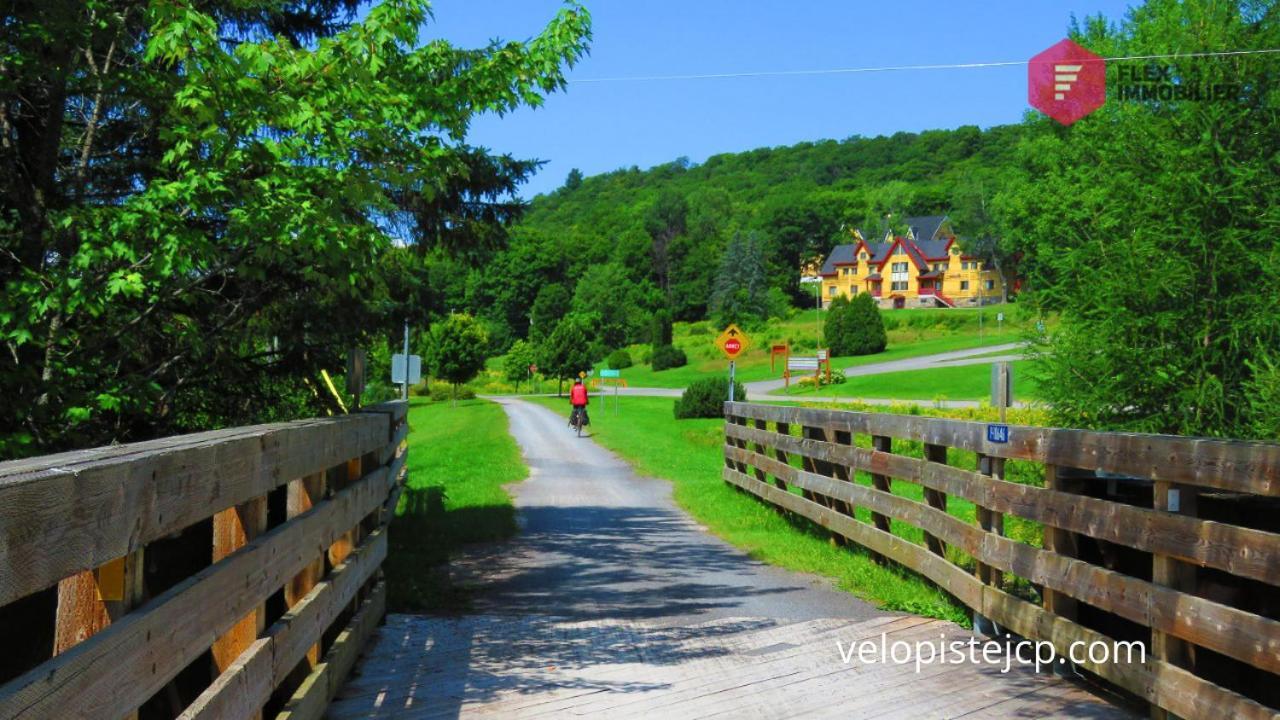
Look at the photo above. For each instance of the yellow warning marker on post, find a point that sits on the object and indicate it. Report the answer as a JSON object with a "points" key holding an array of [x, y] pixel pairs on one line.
{"points": [[732, 342]]}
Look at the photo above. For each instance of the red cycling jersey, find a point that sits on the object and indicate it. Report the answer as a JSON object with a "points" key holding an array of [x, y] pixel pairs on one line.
{"points": [[578, 394]]}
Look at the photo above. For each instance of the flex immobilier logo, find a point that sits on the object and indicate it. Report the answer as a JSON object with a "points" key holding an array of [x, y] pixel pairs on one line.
{"points": [[1066, 82]]}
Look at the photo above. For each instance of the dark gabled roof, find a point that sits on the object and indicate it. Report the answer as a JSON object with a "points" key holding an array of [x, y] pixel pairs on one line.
{"points": [[879, 251], [874, 276], [925, 227], [931, 275], [914, 254], [841, 254], [934, 249]]}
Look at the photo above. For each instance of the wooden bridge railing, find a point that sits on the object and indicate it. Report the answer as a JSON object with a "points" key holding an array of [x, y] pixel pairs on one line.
{"points": [[225, 574], [1166, 540]]}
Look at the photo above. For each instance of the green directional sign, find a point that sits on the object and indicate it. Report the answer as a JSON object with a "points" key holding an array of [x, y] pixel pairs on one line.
{"points": [[607, 373]]}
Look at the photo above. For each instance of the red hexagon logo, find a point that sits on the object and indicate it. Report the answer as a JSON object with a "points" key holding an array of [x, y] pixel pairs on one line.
{"points": [[1066, 82]]}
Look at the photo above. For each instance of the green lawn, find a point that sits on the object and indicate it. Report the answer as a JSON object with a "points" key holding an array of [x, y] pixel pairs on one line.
{"points": [[958, 382], [754, 365], [688, 453], [459, 460]]}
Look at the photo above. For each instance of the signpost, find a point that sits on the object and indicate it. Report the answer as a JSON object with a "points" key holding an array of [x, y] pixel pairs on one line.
{"points": [[616, 376], [804, 364], [784, 350], [1001, 387], [732, 342], [355, 373], [406, 373]]}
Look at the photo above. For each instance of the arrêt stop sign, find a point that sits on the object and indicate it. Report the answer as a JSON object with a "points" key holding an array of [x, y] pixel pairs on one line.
{"points": [[733, 346]]}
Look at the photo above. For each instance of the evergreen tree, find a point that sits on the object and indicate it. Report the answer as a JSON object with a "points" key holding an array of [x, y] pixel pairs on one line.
{"points": [[574, 180], [741, 293], [854, 327]]}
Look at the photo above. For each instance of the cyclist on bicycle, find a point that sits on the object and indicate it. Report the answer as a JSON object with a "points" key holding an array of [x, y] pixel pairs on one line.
{"points": [[578, 398]]}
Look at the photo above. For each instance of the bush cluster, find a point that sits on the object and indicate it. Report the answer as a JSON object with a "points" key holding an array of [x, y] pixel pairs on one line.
{"points": [[619, 359], [854, 327], [443, 391], [705, 398], [666, 357]]}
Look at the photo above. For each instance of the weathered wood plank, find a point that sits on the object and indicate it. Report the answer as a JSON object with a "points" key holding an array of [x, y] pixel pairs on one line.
{"points": [[120, 667], [246, 685], [1252, 638], [1243, 551], [311, 699], [947, 576], [1160, 682], [61, 519], [1223, 464]]}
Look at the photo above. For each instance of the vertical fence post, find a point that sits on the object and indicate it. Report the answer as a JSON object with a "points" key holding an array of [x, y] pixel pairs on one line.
{"points": [[1060, 542], [91, 600], [233, 528], [780, 454], [1173, 573], [992, 522], [844, 472], [884, 444], [760, 448], [827, 468], [936, 499], [303, 494]]}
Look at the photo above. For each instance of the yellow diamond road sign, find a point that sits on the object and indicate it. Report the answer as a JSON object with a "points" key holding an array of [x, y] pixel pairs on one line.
{"points": [[733, 342]]}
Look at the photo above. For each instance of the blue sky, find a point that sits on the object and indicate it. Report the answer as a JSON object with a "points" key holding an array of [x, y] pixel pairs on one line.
{"points": [[598, 127]]}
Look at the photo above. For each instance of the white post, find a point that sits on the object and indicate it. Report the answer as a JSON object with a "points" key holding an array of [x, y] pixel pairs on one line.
{"points": [[404, 387]]}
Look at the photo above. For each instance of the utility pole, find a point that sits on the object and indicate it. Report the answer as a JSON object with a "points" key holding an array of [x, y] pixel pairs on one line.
{"points": [[404, 387]]}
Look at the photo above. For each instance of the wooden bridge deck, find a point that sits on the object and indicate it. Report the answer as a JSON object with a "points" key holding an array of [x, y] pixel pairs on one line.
{"points": [[612, 602], [422, 667]]}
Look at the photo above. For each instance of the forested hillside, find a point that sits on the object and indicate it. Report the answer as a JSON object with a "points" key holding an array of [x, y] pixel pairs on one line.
{"points": [[627, 243]]}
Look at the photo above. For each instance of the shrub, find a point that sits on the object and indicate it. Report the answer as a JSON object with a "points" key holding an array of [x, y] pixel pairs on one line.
{"points": [[699, 328], [443, 391], [705, 398], [837, 378], [666, 357], [619, 359], [854, 327], [660, 328]]}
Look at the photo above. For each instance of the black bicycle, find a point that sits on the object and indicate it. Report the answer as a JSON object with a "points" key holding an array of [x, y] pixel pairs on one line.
{"points": [[577, 419]]}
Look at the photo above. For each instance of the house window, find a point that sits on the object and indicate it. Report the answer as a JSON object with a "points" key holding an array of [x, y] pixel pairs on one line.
{"points": [[991, 284], [831, 290], [964, 284], [899, 278], [863, 256]]}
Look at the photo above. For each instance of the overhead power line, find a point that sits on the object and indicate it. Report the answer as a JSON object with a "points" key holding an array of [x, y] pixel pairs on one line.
{"points": [[901, 68]]}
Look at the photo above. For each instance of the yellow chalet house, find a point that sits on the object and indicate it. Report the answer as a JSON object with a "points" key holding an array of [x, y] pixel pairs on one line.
{"points": [[925, 268]]}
